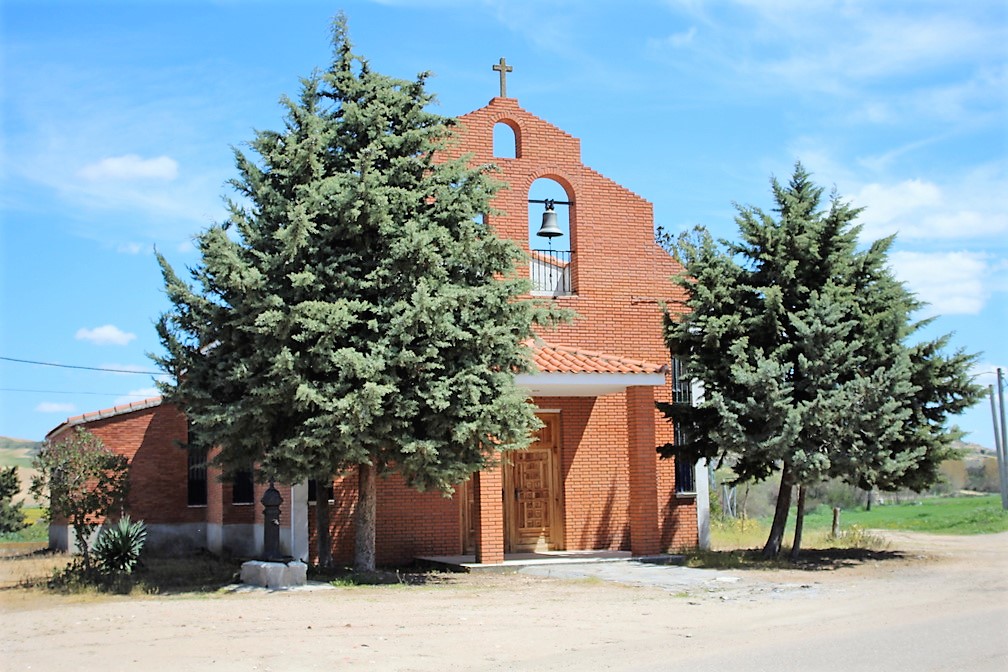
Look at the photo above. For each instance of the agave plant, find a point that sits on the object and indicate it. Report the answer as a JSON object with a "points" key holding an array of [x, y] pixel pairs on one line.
{"points": [[118, 547]]}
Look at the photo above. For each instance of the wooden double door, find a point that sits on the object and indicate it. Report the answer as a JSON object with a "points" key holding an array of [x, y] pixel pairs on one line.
{"points": [[533, 498]]}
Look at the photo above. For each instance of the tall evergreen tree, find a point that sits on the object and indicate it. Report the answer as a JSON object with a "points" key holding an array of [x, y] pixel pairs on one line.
{"points": [[354, 313], [12, 517], [799, 340]]}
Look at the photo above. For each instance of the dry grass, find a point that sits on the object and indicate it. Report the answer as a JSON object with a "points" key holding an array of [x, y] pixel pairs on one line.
{"points": [[27, 563]]}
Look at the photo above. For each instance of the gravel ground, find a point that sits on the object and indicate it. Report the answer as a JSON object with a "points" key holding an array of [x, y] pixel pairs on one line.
{"points": [[931, 603]]}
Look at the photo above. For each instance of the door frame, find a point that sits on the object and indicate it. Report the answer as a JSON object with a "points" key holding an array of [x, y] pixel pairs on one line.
{"points": [[554, 541]]}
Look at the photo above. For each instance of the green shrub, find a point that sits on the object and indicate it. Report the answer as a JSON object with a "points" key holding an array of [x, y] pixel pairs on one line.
{"points": [[118, 548]]}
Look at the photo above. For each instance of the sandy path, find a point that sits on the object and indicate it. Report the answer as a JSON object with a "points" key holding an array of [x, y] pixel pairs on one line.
{"points": [[944, 606]]}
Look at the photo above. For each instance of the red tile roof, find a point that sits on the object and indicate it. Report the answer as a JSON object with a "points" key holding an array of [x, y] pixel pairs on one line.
{"points": [[562, 359], [108, 413], [547, 358]]}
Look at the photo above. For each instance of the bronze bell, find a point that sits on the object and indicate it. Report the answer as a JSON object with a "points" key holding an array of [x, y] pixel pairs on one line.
{"points": [[549, 228]]}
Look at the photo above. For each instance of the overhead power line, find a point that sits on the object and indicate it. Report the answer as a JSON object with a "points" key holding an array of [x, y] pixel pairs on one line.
{"points": [[96, 394], [86, 368]]}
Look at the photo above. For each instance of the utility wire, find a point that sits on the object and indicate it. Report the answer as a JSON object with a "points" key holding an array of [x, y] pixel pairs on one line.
{"points": [[96, 394], [86, 368]]}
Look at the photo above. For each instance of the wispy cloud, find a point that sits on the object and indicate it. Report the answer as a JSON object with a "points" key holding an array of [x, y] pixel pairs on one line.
{"points": [[131, 248], [108, 334], [131, 167], [55, 407], [136, 395], [952, 283], [770, 48], [129, 154], [972, 206]]}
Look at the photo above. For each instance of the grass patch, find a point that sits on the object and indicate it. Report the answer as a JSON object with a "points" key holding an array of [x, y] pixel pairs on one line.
{"points": [[736, 543], [938, 515], [28, 566], [36, 532]]}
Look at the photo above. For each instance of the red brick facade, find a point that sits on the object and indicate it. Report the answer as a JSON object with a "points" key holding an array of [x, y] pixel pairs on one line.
{"points": [[612, 490], [616, 492]]}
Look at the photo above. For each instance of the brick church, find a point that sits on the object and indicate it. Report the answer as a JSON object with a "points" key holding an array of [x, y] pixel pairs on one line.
{"points": [[591, 480]]}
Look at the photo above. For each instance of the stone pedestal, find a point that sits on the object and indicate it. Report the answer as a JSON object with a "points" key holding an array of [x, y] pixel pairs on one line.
{"points": [[274, 575]]}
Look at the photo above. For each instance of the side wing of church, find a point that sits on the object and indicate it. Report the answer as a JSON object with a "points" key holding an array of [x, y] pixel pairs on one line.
{"points": [[591, 480]]}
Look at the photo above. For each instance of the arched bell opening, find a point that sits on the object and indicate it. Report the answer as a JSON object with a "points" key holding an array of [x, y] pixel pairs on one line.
{"points": [[551, 242]]}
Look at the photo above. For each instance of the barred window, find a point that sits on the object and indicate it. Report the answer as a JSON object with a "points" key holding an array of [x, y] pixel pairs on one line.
{"points": [[242, 487], [313, 491], [685, 477], [197, 477]]}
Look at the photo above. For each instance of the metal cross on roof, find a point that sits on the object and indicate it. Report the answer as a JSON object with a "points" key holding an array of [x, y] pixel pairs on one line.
{"points": [[503, 68]]}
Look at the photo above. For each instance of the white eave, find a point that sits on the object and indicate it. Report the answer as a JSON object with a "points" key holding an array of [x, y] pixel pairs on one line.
{"points": [[585, 384]]}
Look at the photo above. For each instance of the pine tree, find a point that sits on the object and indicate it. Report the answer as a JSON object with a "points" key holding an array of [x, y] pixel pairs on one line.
{"points": [[12, 517], [354, 313], [799, 341]]}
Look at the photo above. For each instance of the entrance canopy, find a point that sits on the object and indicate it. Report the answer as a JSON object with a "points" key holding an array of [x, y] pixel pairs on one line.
{"points": [[572, 372]]}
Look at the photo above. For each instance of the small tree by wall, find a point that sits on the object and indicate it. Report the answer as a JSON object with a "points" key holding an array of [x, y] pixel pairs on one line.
{"points": [[82, 481], [11, 516]]}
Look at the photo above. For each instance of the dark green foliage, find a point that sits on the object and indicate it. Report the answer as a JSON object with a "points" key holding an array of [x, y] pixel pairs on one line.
{"points": [[81, 481], [352, 311], [12, 517], [799, 339], [118, 547]]}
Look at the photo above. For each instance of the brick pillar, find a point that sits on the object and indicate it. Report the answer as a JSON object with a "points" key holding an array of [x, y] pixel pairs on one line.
{"points": [[644, 532], [489, 516]]}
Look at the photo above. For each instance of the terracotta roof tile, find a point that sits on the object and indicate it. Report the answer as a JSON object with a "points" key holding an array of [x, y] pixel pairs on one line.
{"points": [[562, 359], [107, 413]]}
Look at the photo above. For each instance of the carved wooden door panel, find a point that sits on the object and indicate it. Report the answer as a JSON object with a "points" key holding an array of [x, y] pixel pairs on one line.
{"points": [[532, 493]]}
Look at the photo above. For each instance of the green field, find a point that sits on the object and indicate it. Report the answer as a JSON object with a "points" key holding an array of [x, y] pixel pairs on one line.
{"points": [[17, 453], [939, 515], [936, 515]]}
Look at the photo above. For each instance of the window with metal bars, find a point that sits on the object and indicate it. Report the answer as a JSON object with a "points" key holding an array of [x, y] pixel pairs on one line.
{"points": [[313, 491], [682, 393], [242, 487], [197, 477]]}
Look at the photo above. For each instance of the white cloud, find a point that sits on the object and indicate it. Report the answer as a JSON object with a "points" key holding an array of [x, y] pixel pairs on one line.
{"points": [[130, 248], [971, 207], [131, 167], [137, 395], [108, 334], [951, 282], [675, 40], [54, 407]]}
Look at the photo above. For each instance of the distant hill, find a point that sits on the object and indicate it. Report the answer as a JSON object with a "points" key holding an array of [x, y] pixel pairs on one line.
{"points": [[19, 453], [972, 448]]}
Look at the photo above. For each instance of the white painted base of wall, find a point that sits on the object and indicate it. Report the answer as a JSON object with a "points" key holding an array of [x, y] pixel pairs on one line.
{"points": [[274, 575], [175, 540], [701, 479], [63, 538]]}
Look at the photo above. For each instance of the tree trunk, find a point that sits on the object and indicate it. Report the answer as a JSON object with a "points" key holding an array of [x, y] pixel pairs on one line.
{"points": [[364, 520], [868, 500], [773, 544], [323, 536], [799, 523], [83, 542]]}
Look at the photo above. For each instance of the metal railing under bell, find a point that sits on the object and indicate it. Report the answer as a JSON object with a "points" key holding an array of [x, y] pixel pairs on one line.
{"points": [[550, 272]]}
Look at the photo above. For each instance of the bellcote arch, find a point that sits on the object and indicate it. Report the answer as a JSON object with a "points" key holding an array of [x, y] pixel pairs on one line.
{"points": [[553, 258]]}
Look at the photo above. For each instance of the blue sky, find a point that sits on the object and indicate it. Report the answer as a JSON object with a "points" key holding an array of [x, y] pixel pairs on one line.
{"points": [[119, 118]]}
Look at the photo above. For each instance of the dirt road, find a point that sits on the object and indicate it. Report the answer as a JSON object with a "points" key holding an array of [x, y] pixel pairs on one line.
{"points": [[941, 604]]}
